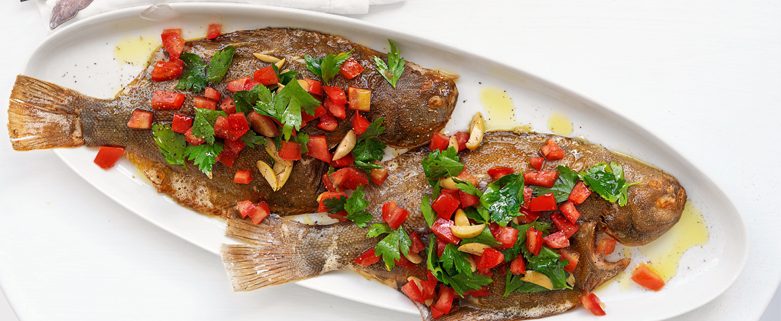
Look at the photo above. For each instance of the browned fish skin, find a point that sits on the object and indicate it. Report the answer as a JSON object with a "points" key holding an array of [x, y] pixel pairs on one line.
{"points": [[418, 107], [284, 250]]}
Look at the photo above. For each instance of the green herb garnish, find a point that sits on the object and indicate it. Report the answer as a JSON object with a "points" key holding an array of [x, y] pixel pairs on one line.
{"points": [[356, 205], [286, 106], [204, 156], [563, 186], [326, 67], [453, 269], [219, 65], [394, 68], [194, 74], [390, 248], [503, 198], [441, 164], [427, 211], [607, 181], [203, 125], [369, 149], [171, 144]]}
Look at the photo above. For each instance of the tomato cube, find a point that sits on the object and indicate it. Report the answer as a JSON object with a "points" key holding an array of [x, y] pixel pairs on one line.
{"points": [[351, 68], [140, 119], [314, 87], [108, 156], [328, 123], [181, 123], [490, 259], [556, 240], [242, 176], [498, 172], [579, 193], [360, 124], [444, 303], [570, 211], [544, 202], [360, 99], [266, 76], [212, 94], [349, 178], [237, 126], [439, 141], [592, 303], [536, 162], [572, 258], [552, 151], [260, 213], [204, 103], [335, 109], [533, 241], [445, 205], [336, 95], [167, 100], [564, 225], [235, 146], [173, 42], [346, 161], [237, 84], [393, 215], [227, 157], [290, 151], [213, 31], [441, 228], [518, 265], [191, 139], [378, 176], [367, 258], [461, 139], [645, 276], [228, 106], [318, 148], [167, 70], [541, 178], [467, 199], [606, 245], [506, 236], [417, 244]]}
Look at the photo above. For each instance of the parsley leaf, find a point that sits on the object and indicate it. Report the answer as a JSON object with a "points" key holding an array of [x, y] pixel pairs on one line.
{"points": [[454, 270], [548, 263], [194, 74], [428, 212], [392, 247], [607, 181], [479, 214], [503, 198], [287, 105], [335, 204], [356, 205], [512, 253], [203, 125], [246, 99], [326, 67], [303, 139], [204, 156], [218, 66], [171, 144], [513, 283], [394, 68], [251, 139], [441, 164], [467, 187], [378, 229], [563, 186], [286, 76], [369, 149]]}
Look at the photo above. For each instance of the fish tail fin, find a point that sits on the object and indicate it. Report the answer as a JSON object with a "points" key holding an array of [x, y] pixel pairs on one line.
{"points": [[278, 251], [43, 115]]}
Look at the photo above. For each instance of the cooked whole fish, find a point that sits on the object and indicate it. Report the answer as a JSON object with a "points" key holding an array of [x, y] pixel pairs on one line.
{"points": [[43, 115], [281, 250]]}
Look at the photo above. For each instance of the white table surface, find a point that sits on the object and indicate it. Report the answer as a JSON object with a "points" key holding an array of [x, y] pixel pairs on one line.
{"points": [[704, 75]]}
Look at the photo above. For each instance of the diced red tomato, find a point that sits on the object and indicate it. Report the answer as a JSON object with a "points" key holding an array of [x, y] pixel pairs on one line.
{"points": [[227, 157], [250, 84], [528, 216], [393, 215], [466, 176], [214, 31], [572, 258], [335, 109], [173, 42], [439, 141], [181, 123], [192, 139], [349, 178], [167, 100], [444, 303], [544, 202], [263, 125], [228, 106], [367, 258], [533, 241], [326, 196], [428, 286], [404, 262], [235, 146], [506, 236], [646, 277], [579, 193], [378, 175], [327, 183], [552, 151], [541, 178], [440, 247], [413, 292], [140, 119], [351, 69], [556, 240], [290, 150], [314, 87], [212, 94], [570, 211], [318, 148], [536, 162], [467, 199], [445, 205], [360, 123], [441, 228], [360, 99], [327, 123], [266, 76], [498, 172], [417, 244], [462, 138], [479, 293], [108, 156], [606, 245], [204, 103], [256, 212], [167, 70], [518, 265], [242, 177], [564, 225], [592, 303], [336, 95], [237, 126], [490, 259], [451, 192], [237, 84], [346, 161]]}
